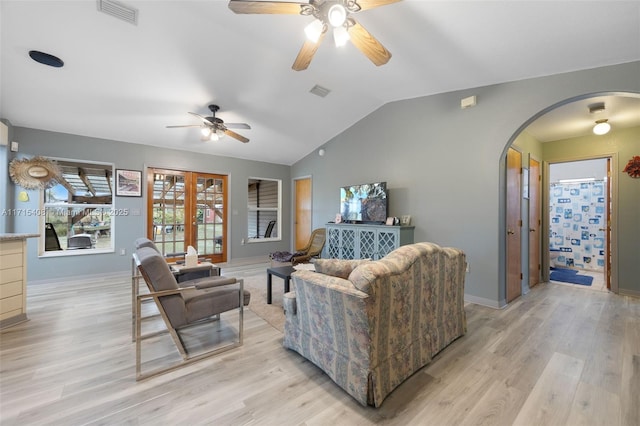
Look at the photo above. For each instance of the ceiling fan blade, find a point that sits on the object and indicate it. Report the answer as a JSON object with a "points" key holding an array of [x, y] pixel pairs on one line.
{"points": [[271, 7], [236, 136], [186, 125], [203, 118], [370, 4], [237, 125], [306, 53], [368, 45]]}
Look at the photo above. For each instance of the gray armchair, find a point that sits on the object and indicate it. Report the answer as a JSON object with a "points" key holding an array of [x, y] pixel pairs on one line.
{"points": [[184, 307]]}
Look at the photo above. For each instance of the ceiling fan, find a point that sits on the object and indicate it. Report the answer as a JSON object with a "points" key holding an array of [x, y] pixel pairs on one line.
{"points": [[333, 14], [214, 128]]}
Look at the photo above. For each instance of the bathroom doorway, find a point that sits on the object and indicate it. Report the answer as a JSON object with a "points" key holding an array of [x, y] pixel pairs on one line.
{"points": [[579, 223]]}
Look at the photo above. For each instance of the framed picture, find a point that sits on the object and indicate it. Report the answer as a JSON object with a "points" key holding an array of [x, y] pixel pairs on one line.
{"points": [[405, 220], [391, 220], [338, 218], [128, 183]]}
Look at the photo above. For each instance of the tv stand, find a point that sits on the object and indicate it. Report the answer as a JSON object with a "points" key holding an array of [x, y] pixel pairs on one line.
{"points": [[365, 241]]}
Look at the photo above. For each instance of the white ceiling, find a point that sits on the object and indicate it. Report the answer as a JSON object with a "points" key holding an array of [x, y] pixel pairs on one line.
{"points": [[127, 82]]}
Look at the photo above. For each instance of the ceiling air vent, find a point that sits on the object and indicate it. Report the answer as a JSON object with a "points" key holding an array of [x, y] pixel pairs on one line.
{"points": [[119, 10], [320, 91]]}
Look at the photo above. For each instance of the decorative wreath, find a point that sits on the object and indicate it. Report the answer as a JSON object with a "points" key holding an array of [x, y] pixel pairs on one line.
{"points": [[34, 173], [633, 167]]}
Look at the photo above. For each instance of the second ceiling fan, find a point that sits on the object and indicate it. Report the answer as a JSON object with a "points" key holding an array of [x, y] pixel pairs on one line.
{"points": [[334, 14], [213, 128]]}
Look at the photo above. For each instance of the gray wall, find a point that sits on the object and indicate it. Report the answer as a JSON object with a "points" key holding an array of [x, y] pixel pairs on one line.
{"points": [[445, 166], [6, 187], [128, 228]]}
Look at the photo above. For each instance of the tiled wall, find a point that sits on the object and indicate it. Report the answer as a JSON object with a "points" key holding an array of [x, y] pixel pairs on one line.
{"points": [[577, 215]]}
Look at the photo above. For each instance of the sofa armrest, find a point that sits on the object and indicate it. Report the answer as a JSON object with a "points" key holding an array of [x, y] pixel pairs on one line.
{"points": [[289, 303], [332, 313], [209, 282]]}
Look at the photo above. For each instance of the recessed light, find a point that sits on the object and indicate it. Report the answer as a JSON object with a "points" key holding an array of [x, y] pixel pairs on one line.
{"points": [[46, 59]]}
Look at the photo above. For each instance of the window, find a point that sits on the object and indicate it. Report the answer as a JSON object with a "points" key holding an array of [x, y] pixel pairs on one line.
{"points": [[78, 214], [264, 209]]}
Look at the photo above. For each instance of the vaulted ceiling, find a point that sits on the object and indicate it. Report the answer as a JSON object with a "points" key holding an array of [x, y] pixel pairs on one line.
{"points": [[127, 82]]}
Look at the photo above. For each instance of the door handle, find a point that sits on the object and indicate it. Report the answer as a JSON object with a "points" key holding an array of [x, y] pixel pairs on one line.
{"points": [[532, 230], [510, 232]]}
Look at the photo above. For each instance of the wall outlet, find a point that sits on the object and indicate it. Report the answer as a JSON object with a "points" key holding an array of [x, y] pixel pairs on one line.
{"points": [[468, 268], [123, 252]]}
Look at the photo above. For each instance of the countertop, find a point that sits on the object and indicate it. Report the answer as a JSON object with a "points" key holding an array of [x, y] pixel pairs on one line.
{"points": [[10, 237]]}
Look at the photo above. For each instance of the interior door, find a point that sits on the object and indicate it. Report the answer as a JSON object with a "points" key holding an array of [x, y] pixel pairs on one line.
{"points": [[535, 222], [302, 212], [514, 225], [607, 229], [187, 209]]}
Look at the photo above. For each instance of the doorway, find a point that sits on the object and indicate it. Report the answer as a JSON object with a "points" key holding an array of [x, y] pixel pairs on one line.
{"points": [[563, 133], [302, 212], [514, 224], [579, 223], [187, 209]]}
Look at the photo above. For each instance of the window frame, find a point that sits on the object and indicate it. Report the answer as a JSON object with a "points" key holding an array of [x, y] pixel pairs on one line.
{"points": [[277, 210]]}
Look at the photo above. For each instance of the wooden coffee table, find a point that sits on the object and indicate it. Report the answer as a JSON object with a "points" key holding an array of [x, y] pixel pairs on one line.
{"points": [[283, 272]]}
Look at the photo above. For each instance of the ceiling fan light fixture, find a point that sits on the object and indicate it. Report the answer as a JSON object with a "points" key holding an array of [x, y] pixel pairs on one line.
{"points": [[340, 36], [337, 15], [314, 30], [602, 127], [206, 132], [214, 137]]}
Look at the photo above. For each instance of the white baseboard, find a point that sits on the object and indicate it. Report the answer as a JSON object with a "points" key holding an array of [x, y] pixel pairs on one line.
{"points": [[94, 277], [632, 293], [484, 302]]}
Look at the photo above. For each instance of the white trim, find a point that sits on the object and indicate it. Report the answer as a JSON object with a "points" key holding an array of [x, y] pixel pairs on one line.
{"points": [[84, 278], [490, 303], [630, 293]]}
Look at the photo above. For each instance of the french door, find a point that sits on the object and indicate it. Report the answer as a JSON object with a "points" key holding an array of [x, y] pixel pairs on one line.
{"points": [[187, 209]]}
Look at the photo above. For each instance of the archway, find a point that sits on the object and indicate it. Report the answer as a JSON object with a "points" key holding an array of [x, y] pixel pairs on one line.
{"points": [[632, 103]]}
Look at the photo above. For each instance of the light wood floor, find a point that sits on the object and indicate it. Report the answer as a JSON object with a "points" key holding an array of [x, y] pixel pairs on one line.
{"points": [[556, 356]]}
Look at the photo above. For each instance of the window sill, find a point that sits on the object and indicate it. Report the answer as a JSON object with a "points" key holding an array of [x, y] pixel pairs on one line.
{"points": [[262, 240], [79, 252]]}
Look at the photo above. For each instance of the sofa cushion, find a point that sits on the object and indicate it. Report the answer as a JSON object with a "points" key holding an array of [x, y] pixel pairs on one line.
{"points": [[338, 267]]}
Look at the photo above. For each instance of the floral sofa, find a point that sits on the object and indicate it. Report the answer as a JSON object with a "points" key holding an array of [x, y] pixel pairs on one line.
{"points": [[371, 324]]}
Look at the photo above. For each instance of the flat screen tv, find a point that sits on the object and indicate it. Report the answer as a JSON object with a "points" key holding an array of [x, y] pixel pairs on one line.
{"points": [[366, 203]]}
